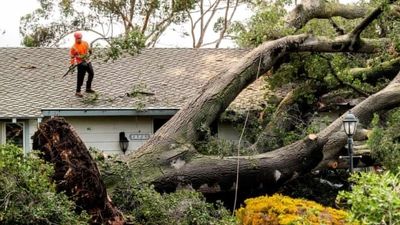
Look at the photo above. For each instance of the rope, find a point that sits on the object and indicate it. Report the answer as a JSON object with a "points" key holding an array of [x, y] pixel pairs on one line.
{"points": [[238, 163], [238, 149]]}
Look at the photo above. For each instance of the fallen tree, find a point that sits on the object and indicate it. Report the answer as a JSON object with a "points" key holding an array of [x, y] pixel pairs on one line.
{"points": [[169, 160], [278, 166], [171, 164]]}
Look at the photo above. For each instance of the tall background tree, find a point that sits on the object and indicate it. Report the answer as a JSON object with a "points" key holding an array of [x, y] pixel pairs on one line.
{"points": [[127, 24]]}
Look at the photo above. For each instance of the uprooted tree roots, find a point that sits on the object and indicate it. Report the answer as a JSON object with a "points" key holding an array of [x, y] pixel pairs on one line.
{"points": [[76, 173]]}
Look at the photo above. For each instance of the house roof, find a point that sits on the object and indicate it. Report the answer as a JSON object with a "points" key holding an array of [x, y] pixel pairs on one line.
{"points": [[30, 80]]}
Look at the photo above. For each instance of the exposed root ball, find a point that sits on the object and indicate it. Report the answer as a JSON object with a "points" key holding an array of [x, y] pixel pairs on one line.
{"points": [[76, 173]]}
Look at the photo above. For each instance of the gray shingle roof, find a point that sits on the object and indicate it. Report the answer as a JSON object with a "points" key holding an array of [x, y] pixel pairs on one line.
{"points": [[30, 79]]}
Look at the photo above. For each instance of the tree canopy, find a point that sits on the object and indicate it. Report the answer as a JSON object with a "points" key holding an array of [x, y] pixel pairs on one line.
{"points": [[127, 24]]}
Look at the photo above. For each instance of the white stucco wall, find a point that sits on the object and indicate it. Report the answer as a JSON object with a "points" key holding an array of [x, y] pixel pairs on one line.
{"points": [[32, 126], [103, 132]]}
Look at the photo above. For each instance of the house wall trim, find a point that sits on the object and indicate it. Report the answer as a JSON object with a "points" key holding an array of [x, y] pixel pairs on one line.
{"points": [[109, 112]]}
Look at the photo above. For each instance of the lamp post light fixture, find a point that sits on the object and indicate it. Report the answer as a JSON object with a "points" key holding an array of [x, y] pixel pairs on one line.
{"points": [[350, 127], [123, 142]]}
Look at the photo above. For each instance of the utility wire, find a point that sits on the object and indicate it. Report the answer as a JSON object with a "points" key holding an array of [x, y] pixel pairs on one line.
{"points": [[238, 149]]}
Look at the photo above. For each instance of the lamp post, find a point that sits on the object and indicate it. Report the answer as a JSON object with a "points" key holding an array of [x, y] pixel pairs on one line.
{"points": [[350, 127]]}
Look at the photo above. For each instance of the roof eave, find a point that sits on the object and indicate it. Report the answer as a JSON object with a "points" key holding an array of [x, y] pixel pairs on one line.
{"points": [[72, 112]]}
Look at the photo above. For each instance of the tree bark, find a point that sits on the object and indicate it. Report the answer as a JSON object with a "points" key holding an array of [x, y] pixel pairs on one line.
{"points": [[76, 173]]}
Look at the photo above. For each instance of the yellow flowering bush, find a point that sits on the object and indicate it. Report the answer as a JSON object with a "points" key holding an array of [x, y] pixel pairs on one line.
{"points": [[283, 210]]}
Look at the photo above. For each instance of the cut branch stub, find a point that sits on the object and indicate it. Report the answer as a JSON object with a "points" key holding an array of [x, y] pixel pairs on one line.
{"points": [[75, 172]]}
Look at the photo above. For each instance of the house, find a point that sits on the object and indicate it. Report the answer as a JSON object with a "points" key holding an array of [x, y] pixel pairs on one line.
{"points": [[136, 94]]}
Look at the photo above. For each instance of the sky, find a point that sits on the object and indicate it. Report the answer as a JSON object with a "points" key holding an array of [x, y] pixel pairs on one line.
{"points": [[11, 12]]}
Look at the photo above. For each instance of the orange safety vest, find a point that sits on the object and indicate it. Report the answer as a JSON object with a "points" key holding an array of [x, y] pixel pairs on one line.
{"points": [[78, 52]]}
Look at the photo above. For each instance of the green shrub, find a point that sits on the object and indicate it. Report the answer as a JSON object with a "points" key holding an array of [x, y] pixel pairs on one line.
{"points": [[183, 207], [26, 194], [142, 204], [374, 199], [384, 141], [218, 147]]}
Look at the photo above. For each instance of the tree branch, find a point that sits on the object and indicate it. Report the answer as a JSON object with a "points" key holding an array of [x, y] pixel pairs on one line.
{"points": [[339, 30], [387, 69], [127, 21], [310, 9], [226, 22], [342, 44], [364, 24], [132, 9], [355, 33], [341, 82], [203, 29], [192, 26], [147, 17]]}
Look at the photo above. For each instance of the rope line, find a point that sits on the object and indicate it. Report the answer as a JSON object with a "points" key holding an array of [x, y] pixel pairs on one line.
{"points": [[238, 149]]}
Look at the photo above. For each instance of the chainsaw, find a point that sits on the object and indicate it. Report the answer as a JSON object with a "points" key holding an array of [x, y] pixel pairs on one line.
{"points": [[70, 70]]}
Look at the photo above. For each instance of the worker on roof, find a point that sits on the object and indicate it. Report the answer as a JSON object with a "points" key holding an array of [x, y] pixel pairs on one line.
{"points": [[79, 53]]}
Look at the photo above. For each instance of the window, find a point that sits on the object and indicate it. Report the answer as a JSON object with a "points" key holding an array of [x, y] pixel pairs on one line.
{"points": [[15, 134], [158, 122]]}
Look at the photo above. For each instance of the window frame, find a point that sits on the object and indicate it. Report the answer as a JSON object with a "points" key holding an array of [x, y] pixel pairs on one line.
{"points": [[4, 133]]}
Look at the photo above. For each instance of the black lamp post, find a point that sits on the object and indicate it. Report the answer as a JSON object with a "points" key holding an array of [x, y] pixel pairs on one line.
{"points": [[350, 126]]}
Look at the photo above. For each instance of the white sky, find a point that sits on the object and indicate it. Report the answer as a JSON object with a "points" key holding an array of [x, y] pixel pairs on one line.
{"points": [[10, 13], [12, 10]]}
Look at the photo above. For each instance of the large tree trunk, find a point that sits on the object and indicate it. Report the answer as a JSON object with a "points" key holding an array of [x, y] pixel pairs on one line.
{"points": [[269, 169], [76, 173]]}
